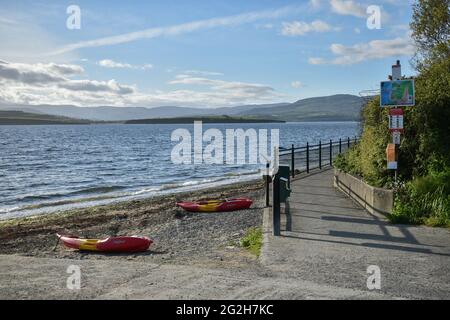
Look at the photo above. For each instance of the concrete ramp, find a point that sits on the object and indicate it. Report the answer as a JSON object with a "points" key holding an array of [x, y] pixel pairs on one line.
{"points": [[333, 241]]}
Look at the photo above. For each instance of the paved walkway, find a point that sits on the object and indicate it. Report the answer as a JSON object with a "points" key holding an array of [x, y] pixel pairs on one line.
{"points": [[325, 256], [332, 242]]}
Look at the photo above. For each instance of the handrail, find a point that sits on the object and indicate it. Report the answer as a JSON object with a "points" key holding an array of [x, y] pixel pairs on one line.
{"points": [[335, 147], [292, 151], [316, 146]]}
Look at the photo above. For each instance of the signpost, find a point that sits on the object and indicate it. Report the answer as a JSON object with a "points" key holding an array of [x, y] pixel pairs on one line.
{"points": [[391, 156], [396, 120], [396, 135], [396, 93]]}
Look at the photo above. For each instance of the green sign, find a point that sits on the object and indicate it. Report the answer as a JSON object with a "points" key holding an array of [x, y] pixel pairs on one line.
{"points": [[398, 93]]}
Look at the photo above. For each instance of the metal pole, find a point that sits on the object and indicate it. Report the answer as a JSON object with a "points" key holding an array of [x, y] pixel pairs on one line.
{"points": [[320, 154], [292, 162], [340, 146], [267, 185], [331, 152], [276, 205], [307, 157], [348, 142]]}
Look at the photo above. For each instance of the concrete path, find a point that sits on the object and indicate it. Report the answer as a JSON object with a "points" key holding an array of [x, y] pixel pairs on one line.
{"points": [[333, 241], [325, 256], [46, 278]]}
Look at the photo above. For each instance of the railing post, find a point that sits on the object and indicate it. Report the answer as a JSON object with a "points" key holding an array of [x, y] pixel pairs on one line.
{"points": [[307, 157], [292, 162], [276, 205], [331, 152], [267, 185], [348, 142], [320, 154], [340, 146]]}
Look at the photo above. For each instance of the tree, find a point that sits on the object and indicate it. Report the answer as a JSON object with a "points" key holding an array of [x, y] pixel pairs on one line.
{"points": [[431, 30]]}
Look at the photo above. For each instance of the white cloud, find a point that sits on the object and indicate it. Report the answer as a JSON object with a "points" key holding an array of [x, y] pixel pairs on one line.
{"points": [[315, 3], [179, 29], [244, 89], [203, 73], [56, 76], [23, 39], [53, 84], [38, 73], [300, 28], [108, 63], [316, 61], [264, 26], [348, 7], [357, 30], [96, 86], [297, 84], [377, 49]]}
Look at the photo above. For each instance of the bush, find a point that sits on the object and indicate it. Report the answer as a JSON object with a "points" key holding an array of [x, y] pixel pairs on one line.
{"points": [[424, 157], [253, 240], [424, 200], [367, 159]]}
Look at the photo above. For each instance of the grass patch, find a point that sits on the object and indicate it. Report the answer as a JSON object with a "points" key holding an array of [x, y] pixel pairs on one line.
{"points": [[424, 200], [252, 241]]}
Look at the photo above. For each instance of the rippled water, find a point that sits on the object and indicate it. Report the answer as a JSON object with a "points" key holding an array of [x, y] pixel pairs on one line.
{"points": [[47, 168]]}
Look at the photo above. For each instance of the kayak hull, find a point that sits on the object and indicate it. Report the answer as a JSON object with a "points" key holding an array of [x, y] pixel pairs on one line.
{"points": [[111, 244], [216, 205]]}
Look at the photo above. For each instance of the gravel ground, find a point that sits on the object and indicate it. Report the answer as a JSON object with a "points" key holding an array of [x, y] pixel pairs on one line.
{"points": [[179, 237]]}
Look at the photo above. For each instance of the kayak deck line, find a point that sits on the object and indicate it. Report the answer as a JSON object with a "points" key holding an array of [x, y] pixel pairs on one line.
{"points": [[110, 244], [216, 205]]}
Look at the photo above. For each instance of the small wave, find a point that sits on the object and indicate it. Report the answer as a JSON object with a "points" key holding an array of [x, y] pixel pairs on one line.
{"points": [[146, 190], [92, 190], [98, 190], [64, 202], [242, 173], [8, 210]]}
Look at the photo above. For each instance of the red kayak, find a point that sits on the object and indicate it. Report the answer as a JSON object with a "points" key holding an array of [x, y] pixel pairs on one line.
{"points": [[111, 244], [216, 205]]}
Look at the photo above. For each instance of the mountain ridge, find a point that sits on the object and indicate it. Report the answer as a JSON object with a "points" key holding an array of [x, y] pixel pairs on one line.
{"points": [[341, 107]]}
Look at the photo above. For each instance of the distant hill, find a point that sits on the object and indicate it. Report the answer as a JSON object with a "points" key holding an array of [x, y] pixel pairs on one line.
{"points": [[210, 119], [25, 118], [332, 108]]}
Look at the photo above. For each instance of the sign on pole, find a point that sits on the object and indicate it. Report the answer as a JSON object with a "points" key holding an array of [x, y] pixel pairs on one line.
{"points": [[391, 157], [397, 93], [396, 137], [396, 120]]}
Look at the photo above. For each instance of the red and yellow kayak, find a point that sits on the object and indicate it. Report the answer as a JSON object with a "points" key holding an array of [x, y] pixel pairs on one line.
{"points": [[111, 244], [216, 205]]}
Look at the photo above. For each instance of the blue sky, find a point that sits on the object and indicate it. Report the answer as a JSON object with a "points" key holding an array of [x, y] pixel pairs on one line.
{"points": [[197, 53]]}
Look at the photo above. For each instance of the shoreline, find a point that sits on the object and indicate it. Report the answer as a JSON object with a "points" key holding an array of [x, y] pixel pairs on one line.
{"points": [[104, 199], [179, 236]]}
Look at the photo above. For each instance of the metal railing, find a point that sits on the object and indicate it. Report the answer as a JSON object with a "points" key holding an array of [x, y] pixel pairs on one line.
{"points": [[302, 160], [306, 158]]}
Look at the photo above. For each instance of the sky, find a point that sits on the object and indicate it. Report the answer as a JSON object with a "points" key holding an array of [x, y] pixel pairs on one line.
{"points": [[198, 53]]}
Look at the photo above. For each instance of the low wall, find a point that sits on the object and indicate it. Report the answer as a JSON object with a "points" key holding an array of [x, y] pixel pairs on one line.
{"points": [[375, 200]]}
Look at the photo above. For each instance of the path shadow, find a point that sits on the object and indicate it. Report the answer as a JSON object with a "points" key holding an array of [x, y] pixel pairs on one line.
{"points": [[372, 245]]}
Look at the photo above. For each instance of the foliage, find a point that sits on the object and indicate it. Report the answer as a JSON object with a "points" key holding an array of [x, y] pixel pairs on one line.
{"points": [[424, 200], [424, 157], [367, 158], [431, 29], [253, 240]]}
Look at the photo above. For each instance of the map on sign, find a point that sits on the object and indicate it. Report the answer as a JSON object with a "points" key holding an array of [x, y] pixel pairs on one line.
{"points": [[397, 93]]}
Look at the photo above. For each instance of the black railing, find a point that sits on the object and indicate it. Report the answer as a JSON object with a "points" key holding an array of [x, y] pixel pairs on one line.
{"points": [[301, 159], [306, 158]]}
